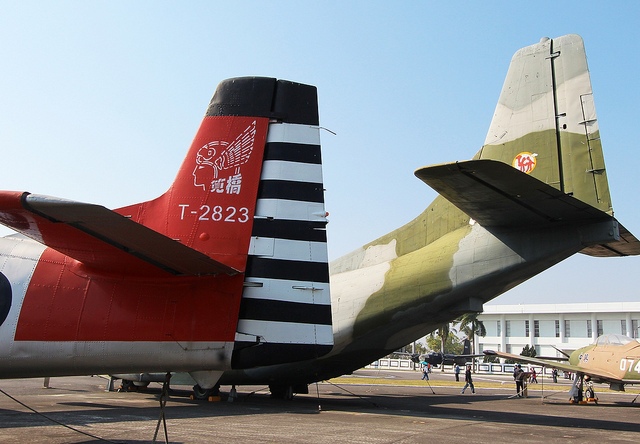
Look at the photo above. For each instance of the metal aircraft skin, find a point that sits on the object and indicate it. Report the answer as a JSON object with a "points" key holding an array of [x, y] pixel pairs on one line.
{"points": [[226, 275], [161, 286], [613, 359], [533, 195]]}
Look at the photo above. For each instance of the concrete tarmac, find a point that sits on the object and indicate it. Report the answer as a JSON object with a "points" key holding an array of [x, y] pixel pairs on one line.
{"points": [[382, 408]]}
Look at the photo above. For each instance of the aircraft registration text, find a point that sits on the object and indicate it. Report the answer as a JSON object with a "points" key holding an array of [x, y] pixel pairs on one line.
{"points": [[217, 213]]}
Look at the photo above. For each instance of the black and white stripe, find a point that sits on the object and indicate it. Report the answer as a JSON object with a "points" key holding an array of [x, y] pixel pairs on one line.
{"points": [[285, 311]]}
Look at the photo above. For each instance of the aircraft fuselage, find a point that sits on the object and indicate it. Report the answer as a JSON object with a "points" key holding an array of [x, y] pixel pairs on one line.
{"points": [[64, 318]]}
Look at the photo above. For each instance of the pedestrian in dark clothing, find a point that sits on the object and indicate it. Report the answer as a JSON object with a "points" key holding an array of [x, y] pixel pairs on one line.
{"points": [[468, 381], [518, 376]]}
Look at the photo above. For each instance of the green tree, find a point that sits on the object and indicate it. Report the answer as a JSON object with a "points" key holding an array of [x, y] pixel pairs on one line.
{"points": [[488, 358], [446, 340], [407, 350], [453, 344], [471, 326], [529, 351], [442, 333]]}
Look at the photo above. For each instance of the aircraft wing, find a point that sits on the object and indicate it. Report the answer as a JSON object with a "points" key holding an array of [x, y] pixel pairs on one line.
{"points": [[101, 238], [599, 375], [497, 195]]}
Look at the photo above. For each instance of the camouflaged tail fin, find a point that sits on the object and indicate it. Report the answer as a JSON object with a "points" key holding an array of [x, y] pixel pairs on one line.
{"points": [[545, 123]]}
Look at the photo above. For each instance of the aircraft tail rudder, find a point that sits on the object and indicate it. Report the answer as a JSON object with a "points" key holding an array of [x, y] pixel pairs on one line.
{"points": [[248, 202], [211, 202], [202, 224], [285, 312], [545, 125], [466, 346], [250, 195], [545, 122]]}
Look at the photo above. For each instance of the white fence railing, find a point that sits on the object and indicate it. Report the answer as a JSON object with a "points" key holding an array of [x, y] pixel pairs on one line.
{"points": [[481, 367]]}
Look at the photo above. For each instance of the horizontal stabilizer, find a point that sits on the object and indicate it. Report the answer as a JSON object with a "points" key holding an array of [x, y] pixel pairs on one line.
{"points": [[101, 238], [628, 245], [498, 195]]}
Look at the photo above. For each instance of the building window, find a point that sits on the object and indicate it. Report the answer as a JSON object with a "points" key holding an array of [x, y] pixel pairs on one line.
{"points": [[536, 329], [634, 328], [526, 328], [599, 327], [589, 329], [499, 327], [507, 328], [623, 326], [557, 329], [567, 328]]}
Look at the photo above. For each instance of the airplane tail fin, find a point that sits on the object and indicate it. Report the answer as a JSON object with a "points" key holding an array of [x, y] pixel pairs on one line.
{"points": [[285, 312], [545, 122], [202, 224], [211, 203], [545, 125], [248, 201], [250, 195], [466, 346]]}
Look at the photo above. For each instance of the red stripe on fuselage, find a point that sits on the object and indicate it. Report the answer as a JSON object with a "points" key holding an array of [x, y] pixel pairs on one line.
{"points": [[64, 304]]}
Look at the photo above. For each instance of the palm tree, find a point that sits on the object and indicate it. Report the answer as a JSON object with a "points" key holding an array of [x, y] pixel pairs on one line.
{"points": [[443, 333], [471, 326]]}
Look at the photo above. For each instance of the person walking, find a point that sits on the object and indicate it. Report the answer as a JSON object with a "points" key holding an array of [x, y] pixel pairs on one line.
{"points": [[456, 371], [468, 381], [518, 376], [534, 376], [425, 373]]}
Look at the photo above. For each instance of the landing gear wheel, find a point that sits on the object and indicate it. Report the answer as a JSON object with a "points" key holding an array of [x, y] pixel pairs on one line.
{"points": [[127, 386], [200, 393], [281, 391]]}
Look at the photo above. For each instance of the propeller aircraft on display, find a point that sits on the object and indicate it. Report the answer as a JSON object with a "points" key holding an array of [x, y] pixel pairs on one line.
{"points": [[225, 277], [613, 359]]}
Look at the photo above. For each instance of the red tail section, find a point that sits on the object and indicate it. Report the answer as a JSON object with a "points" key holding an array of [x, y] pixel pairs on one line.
{"points": [[211, 204], [168, 275], [101, 273]]}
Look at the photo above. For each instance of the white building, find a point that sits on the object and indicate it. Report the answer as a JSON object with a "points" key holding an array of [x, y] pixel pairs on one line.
{"points": [[565, 326]]}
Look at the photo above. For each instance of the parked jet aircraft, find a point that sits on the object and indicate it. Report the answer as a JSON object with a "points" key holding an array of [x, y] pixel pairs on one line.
{"points": [[612, 359], [225, 276]]}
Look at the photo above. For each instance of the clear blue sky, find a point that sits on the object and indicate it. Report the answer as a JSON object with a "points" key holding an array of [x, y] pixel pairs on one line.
{"points": [[99, 101]]}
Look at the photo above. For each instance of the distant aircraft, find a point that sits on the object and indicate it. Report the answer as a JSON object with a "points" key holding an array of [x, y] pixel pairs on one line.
{"points": [[612, 359], [226, 275], [438, 358]]}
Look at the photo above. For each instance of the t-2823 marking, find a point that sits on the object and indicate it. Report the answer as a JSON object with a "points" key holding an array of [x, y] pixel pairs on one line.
{"points": [[217, 213]]}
